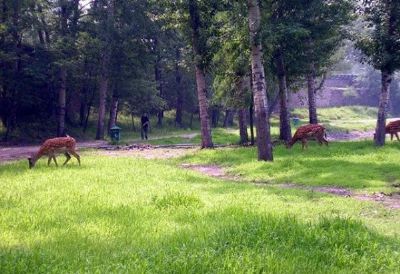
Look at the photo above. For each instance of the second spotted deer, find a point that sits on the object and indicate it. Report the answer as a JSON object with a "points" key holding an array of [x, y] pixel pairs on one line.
{"points": [[307, 132]]}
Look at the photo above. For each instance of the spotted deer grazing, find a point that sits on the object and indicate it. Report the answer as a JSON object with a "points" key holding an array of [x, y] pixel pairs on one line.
{"points": [[52, 147], [392, 128], [308, 132]]}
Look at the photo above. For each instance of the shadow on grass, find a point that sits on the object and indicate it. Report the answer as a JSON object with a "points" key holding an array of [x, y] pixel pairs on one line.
{"points": [[223, 241]]}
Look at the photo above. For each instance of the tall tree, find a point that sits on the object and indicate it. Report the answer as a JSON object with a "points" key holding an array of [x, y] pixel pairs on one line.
{"points": [[199, 44], [105, 14], [321, 25], [381, 46], [259, 83]]}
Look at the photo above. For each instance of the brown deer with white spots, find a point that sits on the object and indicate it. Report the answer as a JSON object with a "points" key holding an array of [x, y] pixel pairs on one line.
{"points": [[393, 128], [307, 132], [53, 147]]}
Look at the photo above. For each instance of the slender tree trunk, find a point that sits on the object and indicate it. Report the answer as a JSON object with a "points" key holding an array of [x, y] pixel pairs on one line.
{"points": [[206, 139], [228, 120], [259, 84], [82, 111], [113, 112], [179, 95], [244, 137], [383, 107], [104, 74], [215, 116], [89, 109], [103, 86], [284, 125], [251, 123], [62, 94], [158, 77], [133, 122], [191, 120], [312, 103]]}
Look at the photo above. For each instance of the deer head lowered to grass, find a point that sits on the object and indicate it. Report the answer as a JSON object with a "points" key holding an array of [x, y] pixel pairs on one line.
{"points": [[308, 132], [52, 147]]}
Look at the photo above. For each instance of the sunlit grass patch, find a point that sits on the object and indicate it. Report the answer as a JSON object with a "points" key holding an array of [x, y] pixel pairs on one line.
{"points": [[133, 215], [357, 165]]}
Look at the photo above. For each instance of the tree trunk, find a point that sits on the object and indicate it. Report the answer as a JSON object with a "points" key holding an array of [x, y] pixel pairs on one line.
{"points": [[158, 78], [285, 132], [251, 123], [206, 139], [133, 122], [104, 74], [62, 93], [103, 86], [191, 120], [259, 84], [85, 125], [179, 95], [113, 112], [382, 111], [244, 137], [228, 120], [215, 116], [312, 104]]}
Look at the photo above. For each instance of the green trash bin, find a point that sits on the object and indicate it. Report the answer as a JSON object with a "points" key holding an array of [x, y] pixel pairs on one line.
{"points": [[115, 133]]}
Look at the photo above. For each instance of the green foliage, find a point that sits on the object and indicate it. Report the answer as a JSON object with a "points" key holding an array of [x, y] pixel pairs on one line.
{"points": [[380, 42]]}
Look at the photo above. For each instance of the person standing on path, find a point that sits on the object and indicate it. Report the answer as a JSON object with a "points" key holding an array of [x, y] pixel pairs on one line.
{"points": [[145, 125]]}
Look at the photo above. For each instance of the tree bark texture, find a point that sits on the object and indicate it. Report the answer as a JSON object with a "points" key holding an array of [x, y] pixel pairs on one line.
{"points": [[179, 95], [285, 132], [382, 109], [244, 137], [206, 139], [312, 103], [62, 94], [259, 84], [215, 116], [113, 112], [158, 77], [104, 74], [228, 119]]}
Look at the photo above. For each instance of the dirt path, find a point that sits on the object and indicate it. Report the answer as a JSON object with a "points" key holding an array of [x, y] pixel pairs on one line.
{"points": [[354, 135], [391, 201]]}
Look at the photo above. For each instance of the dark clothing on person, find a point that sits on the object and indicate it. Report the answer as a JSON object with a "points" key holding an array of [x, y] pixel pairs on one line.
{"points": [[145, 126]]}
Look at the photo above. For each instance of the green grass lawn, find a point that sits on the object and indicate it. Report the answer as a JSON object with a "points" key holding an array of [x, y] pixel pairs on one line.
{"points": [[357, 165], [129, 215]]}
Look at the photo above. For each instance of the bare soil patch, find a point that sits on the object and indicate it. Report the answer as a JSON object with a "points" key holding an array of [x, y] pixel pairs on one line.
{"points": [[391, 200], [353, 135], [146, 151], [211, 170]]}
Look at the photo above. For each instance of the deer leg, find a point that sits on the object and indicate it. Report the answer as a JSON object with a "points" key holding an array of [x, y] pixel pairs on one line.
{"points": [[49, 161], [68, 158], [397, 136], [391, 136], [54, 159], [76, 156], [303, 143]]}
